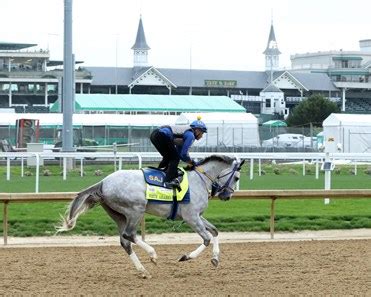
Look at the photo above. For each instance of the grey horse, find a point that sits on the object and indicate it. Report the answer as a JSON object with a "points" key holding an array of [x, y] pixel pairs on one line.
{"points": [[122, 195]]}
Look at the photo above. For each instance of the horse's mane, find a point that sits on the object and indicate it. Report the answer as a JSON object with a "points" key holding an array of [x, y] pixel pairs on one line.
{"points": [[220, 158]]}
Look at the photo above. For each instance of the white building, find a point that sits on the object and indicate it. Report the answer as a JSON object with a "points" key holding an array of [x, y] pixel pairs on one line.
{"points": [[349, 70]]}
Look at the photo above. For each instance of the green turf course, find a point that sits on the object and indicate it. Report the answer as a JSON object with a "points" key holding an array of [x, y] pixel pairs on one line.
{"points": [[38, 219]]}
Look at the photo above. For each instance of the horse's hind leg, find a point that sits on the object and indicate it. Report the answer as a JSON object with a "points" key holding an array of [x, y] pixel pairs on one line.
{"points": [[126, 244], [130, 233], [133, 218], [149, 249], [214, 232]]}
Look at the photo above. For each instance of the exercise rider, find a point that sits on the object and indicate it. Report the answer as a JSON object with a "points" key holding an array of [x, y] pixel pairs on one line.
{"points": [[173, 143]]}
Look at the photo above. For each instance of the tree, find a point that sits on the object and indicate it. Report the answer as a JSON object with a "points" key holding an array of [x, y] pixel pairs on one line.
{"points": [[314, 110]]}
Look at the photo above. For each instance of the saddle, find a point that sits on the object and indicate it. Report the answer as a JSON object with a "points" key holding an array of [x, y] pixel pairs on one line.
{"points": [[156, 176], [157, 189]]}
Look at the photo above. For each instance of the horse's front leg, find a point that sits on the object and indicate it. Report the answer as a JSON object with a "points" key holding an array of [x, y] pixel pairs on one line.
{"points": [[214, 232], [198, 226]]}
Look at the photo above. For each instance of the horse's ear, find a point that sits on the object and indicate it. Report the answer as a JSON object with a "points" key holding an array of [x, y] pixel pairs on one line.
{"points": [[242, 162]]}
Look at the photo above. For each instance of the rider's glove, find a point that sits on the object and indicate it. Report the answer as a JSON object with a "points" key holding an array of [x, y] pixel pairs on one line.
{"points": [[191, 165]]}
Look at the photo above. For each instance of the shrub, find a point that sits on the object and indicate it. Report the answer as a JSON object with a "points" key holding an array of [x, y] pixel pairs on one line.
{"points": [[352, 172], [337, 171], [78, 171], [276, 171], [98, 172], [293, 171], [28, 173], [47, 172], [368, 171], [262, 172]]}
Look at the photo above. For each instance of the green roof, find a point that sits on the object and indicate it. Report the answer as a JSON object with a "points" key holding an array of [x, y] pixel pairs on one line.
{"points": [[150, 103], [15, 46]]}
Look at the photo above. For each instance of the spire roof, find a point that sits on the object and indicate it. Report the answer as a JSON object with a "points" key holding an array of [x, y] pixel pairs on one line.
{"points": [[140, 41], [272, 48]]}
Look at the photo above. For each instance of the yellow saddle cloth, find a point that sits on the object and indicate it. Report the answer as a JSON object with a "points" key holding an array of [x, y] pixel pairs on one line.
{"points": [[158, 193]]}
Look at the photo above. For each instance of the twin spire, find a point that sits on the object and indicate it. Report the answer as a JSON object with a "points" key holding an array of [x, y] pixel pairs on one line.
{"points": [[140, 41], [141, 49], [272, 52]]}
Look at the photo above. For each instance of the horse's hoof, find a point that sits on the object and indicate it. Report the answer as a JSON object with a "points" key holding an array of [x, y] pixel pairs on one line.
{"points": [[154, 261], [184, 258], [145, 275], [215, 262]]}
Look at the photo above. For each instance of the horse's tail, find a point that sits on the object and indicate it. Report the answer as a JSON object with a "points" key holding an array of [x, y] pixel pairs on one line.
{"points": [[84, 200]]}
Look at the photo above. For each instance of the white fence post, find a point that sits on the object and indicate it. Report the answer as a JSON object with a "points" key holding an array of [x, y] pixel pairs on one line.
{"points": [[8, 168], [64, 168], [251, 168], [37, 172], [82, 166]]}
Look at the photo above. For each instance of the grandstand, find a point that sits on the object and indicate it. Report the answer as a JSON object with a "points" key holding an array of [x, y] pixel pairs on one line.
{"points": [[29, 80], [358, 105]]}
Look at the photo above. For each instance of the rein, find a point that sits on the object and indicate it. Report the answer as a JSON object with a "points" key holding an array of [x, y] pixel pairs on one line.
{"points": [[215, 186], [199, 171]]}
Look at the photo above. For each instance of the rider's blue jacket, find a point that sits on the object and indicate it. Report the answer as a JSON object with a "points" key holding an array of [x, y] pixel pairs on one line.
{"points": [[182, 146]]}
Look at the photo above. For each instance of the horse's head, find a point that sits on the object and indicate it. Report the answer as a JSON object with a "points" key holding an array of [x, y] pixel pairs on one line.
{"points": [[224, 175], [224, 185]]}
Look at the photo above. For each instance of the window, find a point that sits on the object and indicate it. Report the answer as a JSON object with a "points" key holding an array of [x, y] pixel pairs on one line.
{"points": [[344, 64]]}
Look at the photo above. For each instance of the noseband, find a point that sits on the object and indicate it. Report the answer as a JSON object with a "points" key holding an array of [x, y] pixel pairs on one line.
{"points": [[215, 185]]}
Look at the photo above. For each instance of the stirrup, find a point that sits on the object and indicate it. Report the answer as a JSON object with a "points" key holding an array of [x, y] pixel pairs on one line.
{"points": [[173, 184]]}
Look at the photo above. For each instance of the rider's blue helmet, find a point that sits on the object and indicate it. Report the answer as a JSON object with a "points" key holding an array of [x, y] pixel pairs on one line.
{"points": [[198, 124]]}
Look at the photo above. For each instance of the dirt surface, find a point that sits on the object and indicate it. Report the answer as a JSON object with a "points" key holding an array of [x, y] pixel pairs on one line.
{"points": [[329, 267], [187, 238]]}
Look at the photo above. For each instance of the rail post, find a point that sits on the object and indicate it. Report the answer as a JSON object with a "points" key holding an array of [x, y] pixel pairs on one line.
{"points": [[8, 168], [37, 175], [272, 217], [143, 228], [5, 223], [251, 168]]}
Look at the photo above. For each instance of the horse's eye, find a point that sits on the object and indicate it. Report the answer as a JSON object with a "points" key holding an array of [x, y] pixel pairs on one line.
{"points": [[236, 179]]}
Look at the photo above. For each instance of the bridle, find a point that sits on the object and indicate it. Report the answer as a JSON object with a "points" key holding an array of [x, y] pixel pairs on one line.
{"points": [[215, 185]]}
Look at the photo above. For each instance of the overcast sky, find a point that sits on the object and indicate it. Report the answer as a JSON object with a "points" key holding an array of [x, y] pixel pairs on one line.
{"points": [[202, 34]]}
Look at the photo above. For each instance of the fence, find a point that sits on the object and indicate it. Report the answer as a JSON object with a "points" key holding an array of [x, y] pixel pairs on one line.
{"points": [[117, 159], [228, 139], [7, 198]]}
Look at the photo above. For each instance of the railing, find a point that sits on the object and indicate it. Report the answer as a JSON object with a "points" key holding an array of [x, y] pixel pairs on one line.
{"points": [[7, 198], [118, 157]]}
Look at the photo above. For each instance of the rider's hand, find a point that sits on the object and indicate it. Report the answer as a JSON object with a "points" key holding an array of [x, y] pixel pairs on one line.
{"points": [[191, 165]]}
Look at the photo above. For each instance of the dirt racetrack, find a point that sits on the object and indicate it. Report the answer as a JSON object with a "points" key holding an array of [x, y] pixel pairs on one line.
{"points": [[332, 268]]}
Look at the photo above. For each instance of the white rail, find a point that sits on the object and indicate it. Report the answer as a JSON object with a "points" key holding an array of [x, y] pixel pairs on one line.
{"points": [[315, 158]]}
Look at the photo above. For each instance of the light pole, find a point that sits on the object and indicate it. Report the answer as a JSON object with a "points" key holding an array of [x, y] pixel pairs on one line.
{"points": [[116, 91], [68, 72]]}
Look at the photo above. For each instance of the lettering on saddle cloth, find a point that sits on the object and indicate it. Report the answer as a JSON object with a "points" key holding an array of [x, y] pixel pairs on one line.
{"points": [[155, 186]]}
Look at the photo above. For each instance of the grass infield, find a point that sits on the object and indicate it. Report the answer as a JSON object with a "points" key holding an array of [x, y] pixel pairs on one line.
{"points": [[38, 219]]}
